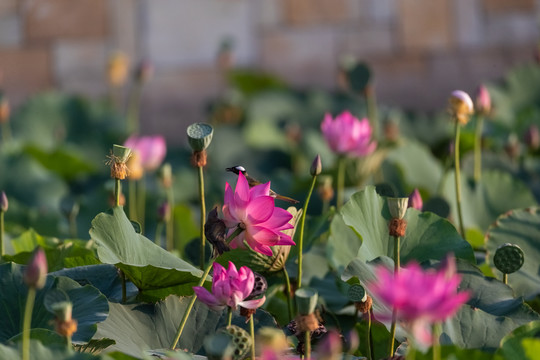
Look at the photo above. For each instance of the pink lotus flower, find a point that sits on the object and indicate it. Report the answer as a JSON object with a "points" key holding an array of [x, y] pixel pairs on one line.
{"points": [[420, 297], [151, 149], [229, 288], [347, 135], [253, 209], [35, 274], [415, 200]]}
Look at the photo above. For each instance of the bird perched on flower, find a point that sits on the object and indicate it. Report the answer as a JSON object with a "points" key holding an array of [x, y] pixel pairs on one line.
{"points": [[253, 182]]}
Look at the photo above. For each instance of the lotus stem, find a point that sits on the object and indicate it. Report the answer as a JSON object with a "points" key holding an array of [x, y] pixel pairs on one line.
{"points": [[203, 214], [307, 339], [436, 343], [478, 149], [117, 190], [302, 224], [289, 293], [124, 288], [505, 278], [132, 201], [340, 182], [371, 352], [229, 316], [371, 104], [27, 322], [457, 179], [2, 233], [252, 331], [169, 224], [132, 112], [394, 312], [194, 297]]}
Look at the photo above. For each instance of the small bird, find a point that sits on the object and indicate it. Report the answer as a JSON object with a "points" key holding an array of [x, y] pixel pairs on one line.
{"points": [[252, 182]]}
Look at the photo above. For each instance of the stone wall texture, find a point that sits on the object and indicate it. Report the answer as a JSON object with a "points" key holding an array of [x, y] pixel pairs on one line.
{"points": [[420, 50]]}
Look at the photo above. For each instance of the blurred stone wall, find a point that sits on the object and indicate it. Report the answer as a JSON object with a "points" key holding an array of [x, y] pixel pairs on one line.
{"points": [[420, 50]]}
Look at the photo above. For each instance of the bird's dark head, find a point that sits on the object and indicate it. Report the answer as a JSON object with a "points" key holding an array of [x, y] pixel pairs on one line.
{"points": [[237, 169]]}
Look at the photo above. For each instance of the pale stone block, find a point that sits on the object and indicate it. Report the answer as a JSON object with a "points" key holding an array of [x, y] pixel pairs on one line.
{"points": [[80, 62], [125, 33], [189, 32], [315, 12], [269, 13], [468, 23], [10, 30], [304, 57], [511, 29], [367, 41], [426, 24]]}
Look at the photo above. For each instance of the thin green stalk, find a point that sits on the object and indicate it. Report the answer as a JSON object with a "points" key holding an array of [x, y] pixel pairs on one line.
{"points": [[2, 233], [203, 214], [133, 109], [457, 179], [436, 343], [289, 293], [252, 331], [301, 236], [505, 278], [124, 288], [117, 190], [307, 340], [394, 312], [371, 353], [478, 149], [159, 230], [27, 323], [371, 102], [229, 316], [194, 297], [132, 201], [169, 226], [340, 182], [141, 202]]}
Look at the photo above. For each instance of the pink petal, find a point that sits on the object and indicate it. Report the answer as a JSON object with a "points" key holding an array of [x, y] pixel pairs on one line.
{"points": [[279, 220], [260, 209], [205, 296], [260, 190], [241, 192], [261, 235], [252, 304]]}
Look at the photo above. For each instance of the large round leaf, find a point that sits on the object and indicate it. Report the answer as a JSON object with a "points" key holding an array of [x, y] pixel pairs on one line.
{"points": [[520, 227], [156, 272], [89, 305], [40, 351], [360, 231], [482, 203], [139, 327]]}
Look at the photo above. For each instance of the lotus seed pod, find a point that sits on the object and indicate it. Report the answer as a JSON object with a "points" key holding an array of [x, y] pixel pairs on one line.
{"points": [[4, 204], [219, 346], [461, 106], [121, 153], [199, 136], [398, 207], [241, 341], [316, 166], [508, 258], [259, 287], [357, 293], [306, 300]]}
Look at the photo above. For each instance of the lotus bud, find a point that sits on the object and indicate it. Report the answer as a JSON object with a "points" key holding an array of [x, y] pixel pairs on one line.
{"points": [[316, 166], [117, 70], [4, 109], [461, 106], [532, 137], [415, 200], [398, 207], [330, 347], [164, 212], [35, 274], [144, 71], [4, 204], [166, 175], [199, 136], [483, 101]]}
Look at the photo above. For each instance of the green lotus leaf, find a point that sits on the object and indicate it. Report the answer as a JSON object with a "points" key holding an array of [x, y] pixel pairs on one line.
{"points": [[360, 230], [89, 305], [154, 271], [140, 327], [40, 351], [517, 344], [520, 227]]}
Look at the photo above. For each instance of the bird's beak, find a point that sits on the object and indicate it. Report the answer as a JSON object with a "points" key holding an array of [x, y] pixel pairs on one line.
{"points": [[229, 169]]}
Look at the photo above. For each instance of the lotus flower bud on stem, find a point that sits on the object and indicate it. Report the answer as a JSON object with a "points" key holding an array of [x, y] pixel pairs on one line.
{"points": [[164, 212], [483, 101], [461, 106], [316, 166], [35, 274], [415, 200], [4, 204], [166, 175]]}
